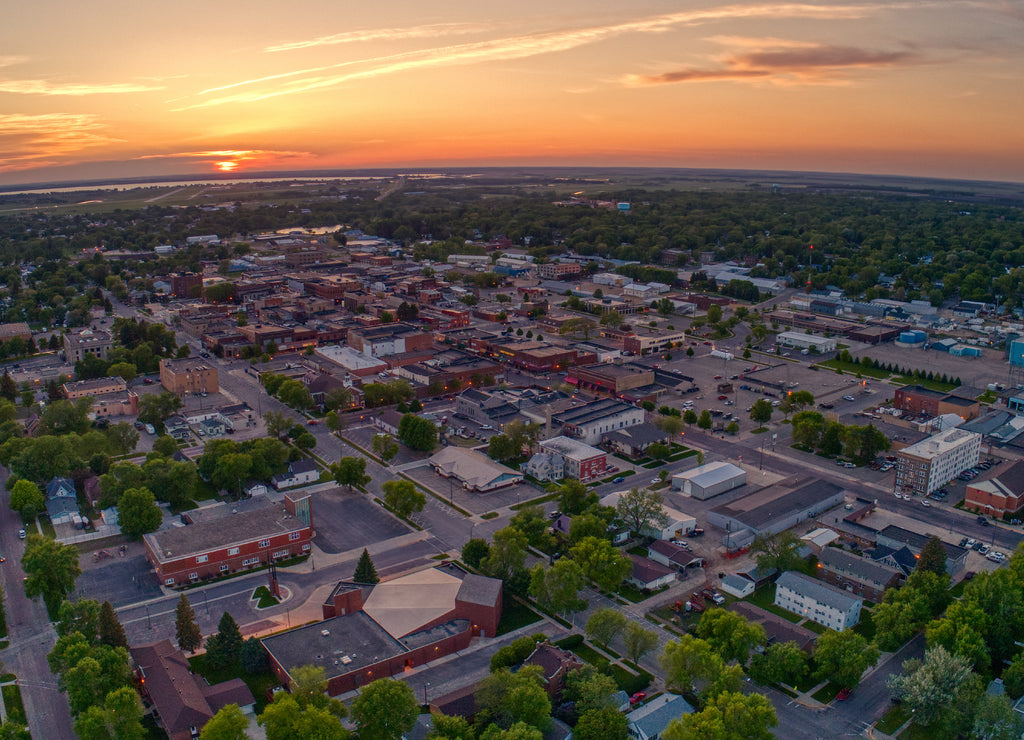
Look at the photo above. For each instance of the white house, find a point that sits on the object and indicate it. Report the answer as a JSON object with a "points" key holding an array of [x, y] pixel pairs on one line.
{"points": [[650, 575], [474, 470], [818, 601], [737, 586], [678, 525], [300, 473]]}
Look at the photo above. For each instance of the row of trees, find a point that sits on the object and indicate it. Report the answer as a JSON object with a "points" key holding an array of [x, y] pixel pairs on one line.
{"points": [[812, 431]]}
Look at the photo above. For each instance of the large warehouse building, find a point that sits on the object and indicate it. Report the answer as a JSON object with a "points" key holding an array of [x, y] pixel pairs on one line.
{"points": [[709, 480], [774, 509]]}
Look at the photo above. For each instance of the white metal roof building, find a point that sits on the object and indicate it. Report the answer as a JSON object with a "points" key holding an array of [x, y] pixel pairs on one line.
{"points": [[799, 340], [709, 480]]}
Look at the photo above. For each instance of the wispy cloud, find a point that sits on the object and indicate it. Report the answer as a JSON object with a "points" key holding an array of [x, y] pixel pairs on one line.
{"points": [[37, 140], [381, 34], [783, 63], [43, 87], [225, 153], [519, 47], [10, 61]]}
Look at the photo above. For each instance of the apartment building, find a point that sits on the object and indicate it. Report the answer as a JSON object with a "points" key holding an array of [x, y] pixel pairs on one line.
{"points": [[188, 375], [931, 463], [818, 601], [78, 344]]}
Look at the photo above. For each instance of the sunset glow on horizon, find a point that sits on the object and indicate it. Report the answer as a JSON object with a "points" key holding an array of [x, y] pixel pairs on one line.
{"points": [[108, 89]]}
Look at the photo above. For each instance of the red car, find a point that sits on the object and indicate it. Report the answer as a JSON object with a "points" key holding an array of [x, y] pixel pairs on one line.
{"points": [[843, 694], [723, 398], [638, 697], [718, 377]]}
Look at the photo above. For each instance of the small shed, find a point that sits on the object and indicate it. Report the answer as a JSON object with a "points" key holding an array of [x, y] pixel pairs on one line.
{"points": [[737, 586]]}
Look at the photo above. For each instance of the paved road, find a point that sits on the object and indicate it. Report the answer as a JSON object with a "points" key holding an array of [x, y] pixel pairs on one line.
{"points": [[31, 636]]}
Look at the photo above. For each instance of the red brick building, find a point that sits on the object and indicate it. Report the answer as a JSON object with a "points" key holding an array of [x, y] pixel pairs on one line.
{"points": [[999, 492], [376, 631], [230, 538], [916, 399]]}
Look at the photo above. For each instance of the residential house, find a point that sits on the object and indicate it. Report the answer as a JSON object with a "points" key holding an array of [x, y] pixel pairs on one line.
{"points": [[818, 601], [673, 556], [184, 702], [633, 441], [857, 575], [649, 721], [648, 575], [579, 461], [737, 586], [300, 473], [999, 492], [555, 663]]}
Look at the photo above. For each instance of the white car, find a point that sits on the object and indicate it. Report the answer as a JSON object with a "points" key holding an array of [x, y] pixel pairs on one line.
{"points": [[849, 398]]}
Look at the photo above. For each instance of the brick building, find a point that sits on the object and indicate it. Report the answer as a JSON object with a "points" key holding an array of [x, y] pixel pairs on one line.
{"points": [[78, 344], [559, 270], [376, 631], [931, 463], [579, 460], [857, 575], [229, 538], [915, 399], [186, 284], [95, 387], [999, 492], [389, 339], [188, 375]]}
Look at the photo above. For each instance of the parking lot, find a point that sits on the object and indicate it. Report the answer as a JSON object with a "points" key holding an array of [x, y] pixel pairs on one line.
{"points": [[346, 521], [474, 502], [119, 580]]}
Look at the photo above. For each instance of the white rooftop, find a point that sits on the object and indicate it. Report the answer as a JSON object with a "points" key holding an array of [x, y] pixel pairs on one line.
{"points": [[405, 604], [940, 443], [348, 358], [571, 448], [711, 473]]}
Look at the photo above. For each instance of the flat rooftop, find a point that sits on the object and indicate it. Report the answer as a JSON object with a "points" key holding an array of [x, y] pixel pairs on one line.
{"points": [[776, 502], [222, 531], [327, 644]]}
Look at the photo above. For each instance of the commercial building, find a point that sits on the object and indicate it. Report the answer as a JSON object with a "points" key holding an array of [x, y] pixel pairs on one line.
{"points": [[559, 270], [227, 538], [186, 284], [709, 480], [376, 631], [188, 375], [818, 601], [94, 387], [474, 470], [774, 509], [78, 344], [857, 575], [645, 343], [579, 461], [389, 339], [920, 401], [931, 463], [15, 330], [613, 379], [591, 420], [810, 342], [1000, 492]]}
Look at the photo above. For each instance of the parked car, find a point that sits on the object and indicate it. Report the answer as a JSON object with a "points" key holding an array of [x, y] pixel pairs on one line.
{"points": [[984, 549], [843, 694], [618, 480], [22, 534], [695, 532], [983, 521], [637, 697], [849, 398], [723, 398]]}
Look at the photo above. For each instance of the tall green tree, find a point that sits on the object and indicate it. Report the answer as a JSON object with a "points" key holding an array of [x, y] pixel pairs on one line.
{"points": [[781, 662], [350, 471], [728, 716], [365, 572], [641, 509], [505, 698], [82, 616], [761, 411], [110, 628], [119, 717], [557, 588], [186, 629], [287, 719], [929, 687], [385, 710], [417, 433], [689, 659], [843, 657], [224, 649], [606, 723], [52, 569], [506, 556], [604, 625], [138, 513], [27, 499], [403, 497], [730, 634], [602, 562], [933, 556], [227, 724], [638, 641], [385, 446]]}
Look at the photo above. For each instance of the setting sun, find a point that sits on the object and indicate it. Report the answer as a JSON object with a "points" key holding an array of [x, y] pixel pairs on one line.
{"points": [[227, 166]]}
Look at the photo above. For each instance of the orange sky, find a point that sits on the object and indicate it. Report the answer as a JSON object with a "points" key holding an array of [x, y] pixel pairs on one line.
{"points": [[109, 89]]}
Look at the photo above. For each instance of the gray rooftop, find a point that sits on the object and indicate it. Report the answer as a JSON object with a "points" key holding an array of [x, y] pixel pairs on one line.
{"points": [[854, 565], [821, 592], [479, 590], [762, 507], [591, 412]]}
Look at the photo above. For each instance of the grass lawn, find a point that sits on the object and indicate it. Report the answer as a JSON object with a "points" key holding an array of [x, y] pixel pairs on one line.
{"points": [[258, 683], [866, 627], [631, 593], [12, 702], [932, 385], [535, 501], [611, 478], [47, 526], [827, 692], [262, 593], [958, 590], [806, 684], [590, 655], [987, 397], [655, 464], [764, 597], [893, 719], [515, 615], [627, 682], [854, 368], [813, 627], [204, 491], [490, 515]]}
